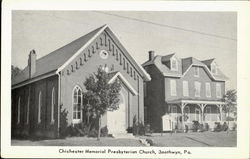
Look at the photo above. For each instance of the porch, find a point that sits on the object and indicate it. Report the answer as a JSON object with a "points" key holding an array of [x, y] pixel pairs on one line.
{"points": [[184, 112]]}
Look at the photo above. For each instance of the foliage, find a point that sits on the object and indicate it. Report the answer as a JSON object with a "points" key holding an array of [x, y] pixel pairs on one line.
{"points": [[195, 126], [63, 123], [230, 99], [138, 128], [14, 71], [101, 95]]}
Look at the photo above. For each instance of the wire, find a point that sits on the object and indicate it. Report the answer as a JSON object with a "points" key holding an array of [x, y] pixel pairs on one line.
{"points": [[168, 26]]}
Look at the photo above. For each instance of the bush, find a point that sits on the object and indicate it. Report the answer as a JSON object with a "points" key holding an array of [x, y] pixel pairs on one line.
{"points": [[224, 127], [195, 126], [206, 127], [217, 127], [104, 131], [93, 133]]}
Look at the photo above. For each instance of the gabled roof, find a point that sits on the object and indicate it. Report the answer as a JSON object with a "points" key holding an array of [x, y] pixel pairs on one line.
{"points": [[208, 62], [167, 57], [186, 64], [55, 61]]}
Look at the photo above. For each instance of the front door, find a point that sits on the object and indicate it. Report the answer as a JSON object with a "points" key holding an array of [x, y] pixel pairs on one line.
{"points": [[117, 118]]}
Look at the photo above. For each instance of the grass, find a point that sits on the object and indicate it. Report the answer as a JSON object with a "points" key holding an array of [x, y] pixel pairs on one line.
{"points": [[195, 139], [192, 139]]}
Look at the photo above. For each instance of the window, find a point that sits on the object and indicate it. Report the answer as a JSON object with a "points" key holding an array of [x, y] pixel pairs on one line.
{"points": [[208, 90], [214, 68], [173, 87], [18, 110], [196, 71], [197, 89], [185, 88], [218, 90], [174, 65], [39, 107], [28, 110], [52, 104], [77, 102]]}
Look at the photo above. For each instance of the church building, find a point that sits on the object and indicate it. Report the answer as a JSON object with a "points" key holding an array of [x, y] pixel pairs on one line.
{"points": [[55, 82]]}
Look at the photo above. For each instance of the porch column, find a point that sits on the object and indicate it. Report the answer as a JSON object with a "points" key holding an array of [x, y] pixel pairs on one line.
{"points": [[220, 107], [182, 114], [202, 106]]}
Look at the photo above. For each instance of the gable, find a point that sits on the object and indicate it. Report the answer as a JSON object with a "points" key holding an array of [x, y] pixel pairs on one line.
{"points": [[203, 74], [64, 56]]}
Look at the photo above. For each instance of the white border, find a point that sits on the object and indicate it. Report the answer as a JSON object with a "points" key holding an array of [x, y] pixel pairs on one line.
{"points": [[242, 8]]}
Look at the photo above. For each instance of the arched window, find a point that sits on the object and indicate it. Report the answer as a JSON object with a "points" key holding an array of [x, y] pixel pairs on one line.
{"points": [[18, 110], [39, 107], [52, 104], [77, 103], [28, 110]]}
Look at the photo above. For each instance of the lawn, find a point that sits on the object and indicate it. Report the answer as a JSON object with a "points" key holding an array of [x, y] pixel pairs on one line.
{"points": [[192, 139], [195, 139]]}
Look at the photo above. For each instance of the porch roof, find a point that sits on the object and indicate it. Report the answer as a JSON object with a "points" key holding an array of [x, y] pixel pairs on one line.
{"points": [[191, 101]]}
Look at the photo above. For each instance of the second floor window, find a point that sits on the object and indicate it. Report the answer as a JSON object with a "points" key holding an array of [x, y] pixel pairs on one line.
{"points": [[218, 90], [197, 89], [173, 87], [185, 88], [208, 90], [196, 72]]}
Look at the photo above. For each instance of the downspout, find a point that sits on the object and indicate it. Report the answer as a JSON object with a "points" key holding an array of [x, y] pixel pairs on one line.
{"points": [[59, 104]]}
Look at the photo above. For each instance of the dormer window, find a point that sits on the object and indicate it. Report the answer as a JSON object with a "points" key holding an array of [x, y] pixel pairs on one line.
{"points": [[214, 68], [174, 64]]}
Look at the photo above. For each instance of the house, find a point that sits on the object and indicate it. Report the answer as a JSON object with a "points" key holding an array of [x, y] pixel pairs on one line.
{"points": [[54, 83], [182, 88]]}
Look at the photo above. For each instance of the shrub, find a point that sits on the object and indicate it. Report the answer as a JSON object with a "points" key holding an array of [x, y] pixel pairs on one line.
{"points": [[195, 126], [206, 127], [150, 141], [217, 127], [63, 128], [104, 131], [224, 127], [93, 133]]}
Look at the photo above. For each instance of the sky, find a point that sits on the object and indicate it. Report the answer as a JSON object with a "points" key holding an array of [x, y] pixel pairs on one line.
{"points": [[203, 35]]}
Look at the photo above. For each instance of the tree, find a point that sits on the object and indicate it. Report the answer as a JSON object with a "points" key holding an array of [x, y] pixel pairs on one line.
{"points": [[101, 96], [14, 71], [230, 99]]}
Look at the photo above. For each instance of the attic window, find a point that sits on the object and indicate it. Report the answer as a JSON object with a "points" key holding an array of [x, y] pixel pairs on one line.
{"points": [[213, 69], [174, 65]]}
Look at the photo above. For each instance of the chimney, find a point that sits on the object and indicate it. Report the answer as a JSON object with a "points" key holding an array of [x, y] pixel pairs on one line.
{"points": [[32, 63], [151, 55]]}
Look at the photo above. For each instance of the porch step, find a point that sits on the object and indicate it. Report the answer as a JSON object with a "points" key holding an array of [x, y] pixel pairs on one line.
{"points": [[123, 136]]}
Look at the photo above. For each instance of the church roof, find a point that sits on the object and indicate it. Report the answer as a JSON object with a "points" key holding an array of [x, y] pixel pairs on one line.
{"points": [[54, 61]]}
